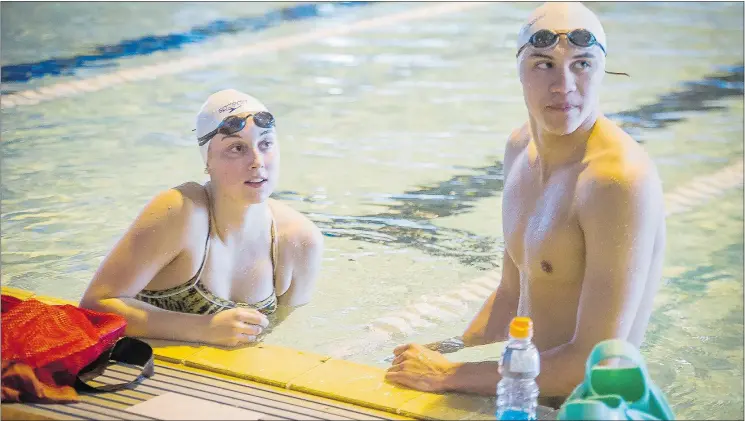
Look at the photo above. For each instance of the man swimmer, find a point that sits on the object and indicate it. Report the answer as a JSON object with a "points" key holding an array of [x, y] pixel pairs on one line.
{"points": [[583, 220]]}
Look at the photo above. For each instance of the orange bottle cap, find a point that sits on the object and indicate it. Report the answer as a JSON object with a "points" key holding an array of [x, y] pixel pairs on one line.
{"points": [[521, 327]]}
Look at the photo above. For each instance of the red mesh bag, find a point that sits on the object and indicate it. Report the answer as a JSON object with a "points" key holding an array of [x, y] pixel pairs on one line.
{"points": [[62, 342]]}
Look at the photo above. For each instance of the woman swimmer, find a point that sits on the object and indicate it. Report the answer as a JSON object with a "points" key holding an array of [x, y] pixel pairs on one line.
{"points": [[208, 263]]}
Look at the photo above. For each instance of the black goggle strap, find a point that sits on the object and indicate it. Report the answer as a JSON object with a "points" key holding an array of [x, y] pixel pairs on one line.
{"points": [[227, 122]]}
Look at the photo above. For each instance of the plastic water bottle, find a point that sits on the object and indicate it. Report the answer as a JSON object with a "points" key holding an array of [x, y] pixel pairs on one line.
{"points": [[517, 392]]}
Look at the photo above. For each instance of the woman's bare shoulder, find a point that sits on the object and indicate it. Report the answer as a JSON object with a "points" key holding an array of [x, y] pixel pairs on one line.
{"points": [[294, 228]]}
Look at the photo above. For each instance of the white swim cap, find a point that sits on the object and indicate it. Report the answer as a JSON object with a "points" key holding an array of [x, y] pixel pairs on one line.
{"points": [[562, 16], [220, 105]]}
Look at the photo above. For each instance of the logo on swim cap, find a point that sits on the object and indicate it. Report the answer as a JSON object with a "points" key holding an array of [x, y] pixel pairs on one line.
{"points": [[526, 28], [533, 21], [232, 106]]}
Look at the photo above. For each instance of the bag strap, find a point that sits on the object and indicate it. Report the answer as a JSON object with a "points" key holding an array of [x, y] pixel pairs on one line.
{"points": [[126, 350]]}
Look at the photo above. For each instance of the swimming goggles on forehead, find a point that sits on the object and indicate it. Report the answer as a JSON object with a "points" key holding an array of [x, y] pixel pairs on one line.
{"points": [[547, 38], [234, 123]]}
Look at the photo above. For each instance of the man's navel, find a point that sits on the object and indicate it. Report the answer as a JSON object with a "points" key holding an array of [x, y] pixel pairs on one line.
{"points": [[546, 266]]}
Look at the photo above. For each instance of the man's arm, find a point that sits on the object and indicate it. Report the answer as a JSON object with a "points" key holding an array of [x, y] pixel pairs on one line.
{"points": [[620, 219], [490, 324]]}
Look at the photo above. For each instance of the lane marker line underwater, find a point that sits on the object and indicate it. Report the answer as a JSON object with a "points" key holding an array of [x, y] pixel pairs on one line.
{"points": [[433, 310], [171, 67], [176, 40]]}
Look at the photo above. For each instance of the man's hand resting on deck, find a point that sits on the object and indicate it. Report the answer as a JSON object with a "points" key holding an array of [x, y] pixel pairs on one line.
{"points": [[419, 368]]}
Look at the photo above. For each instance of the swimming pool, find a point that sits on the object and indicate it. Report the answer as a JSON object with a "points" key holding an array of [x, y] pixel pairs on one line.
{"points": [[391, 141]]}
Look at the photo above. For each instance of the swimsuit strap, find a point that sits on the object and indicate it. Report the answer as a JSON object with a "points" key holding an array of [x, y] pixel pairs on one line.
{"points": [[207, 243], [274, 253], [192, 283]]}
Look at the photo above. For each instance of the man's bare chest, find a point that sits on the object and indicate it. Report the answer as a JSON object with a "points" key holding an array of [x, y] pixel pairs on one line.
{"points": [[541, 226]]}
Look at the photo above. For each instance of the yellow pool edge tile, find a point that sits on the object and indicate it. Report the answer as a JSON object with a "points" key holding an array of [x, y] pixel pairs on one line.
{"points": [[262, 363], [17, 292], [367, 387], [172, 351], [54, 301]]}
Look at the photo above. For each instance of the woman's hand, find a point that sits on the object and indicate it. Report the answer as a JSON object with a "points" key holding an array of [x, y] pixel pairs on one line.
{"points": [[233, 327], [420, 368]]}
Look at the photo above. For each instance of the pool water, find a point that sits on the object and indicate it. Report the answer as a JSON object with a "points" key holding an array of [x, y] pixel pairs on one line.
{"points": [[391, 141]]}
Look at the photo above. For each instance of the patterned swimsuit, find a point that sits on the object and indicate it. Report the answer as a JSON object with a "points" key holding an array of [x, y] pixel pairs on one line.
{"points": [[194, 297]]}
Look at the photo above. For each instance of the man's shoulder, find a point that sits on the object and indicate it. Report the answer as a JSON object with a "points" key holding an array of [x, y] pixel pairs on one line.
{"points": [[618, 161], [517, 141], [615, 181], [619, 173], [519, 138]]}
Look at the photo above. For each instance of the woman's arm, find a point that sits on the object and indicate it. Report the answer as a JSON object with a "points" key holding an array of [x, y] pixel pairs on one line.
{"points": [[157, 236]]}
